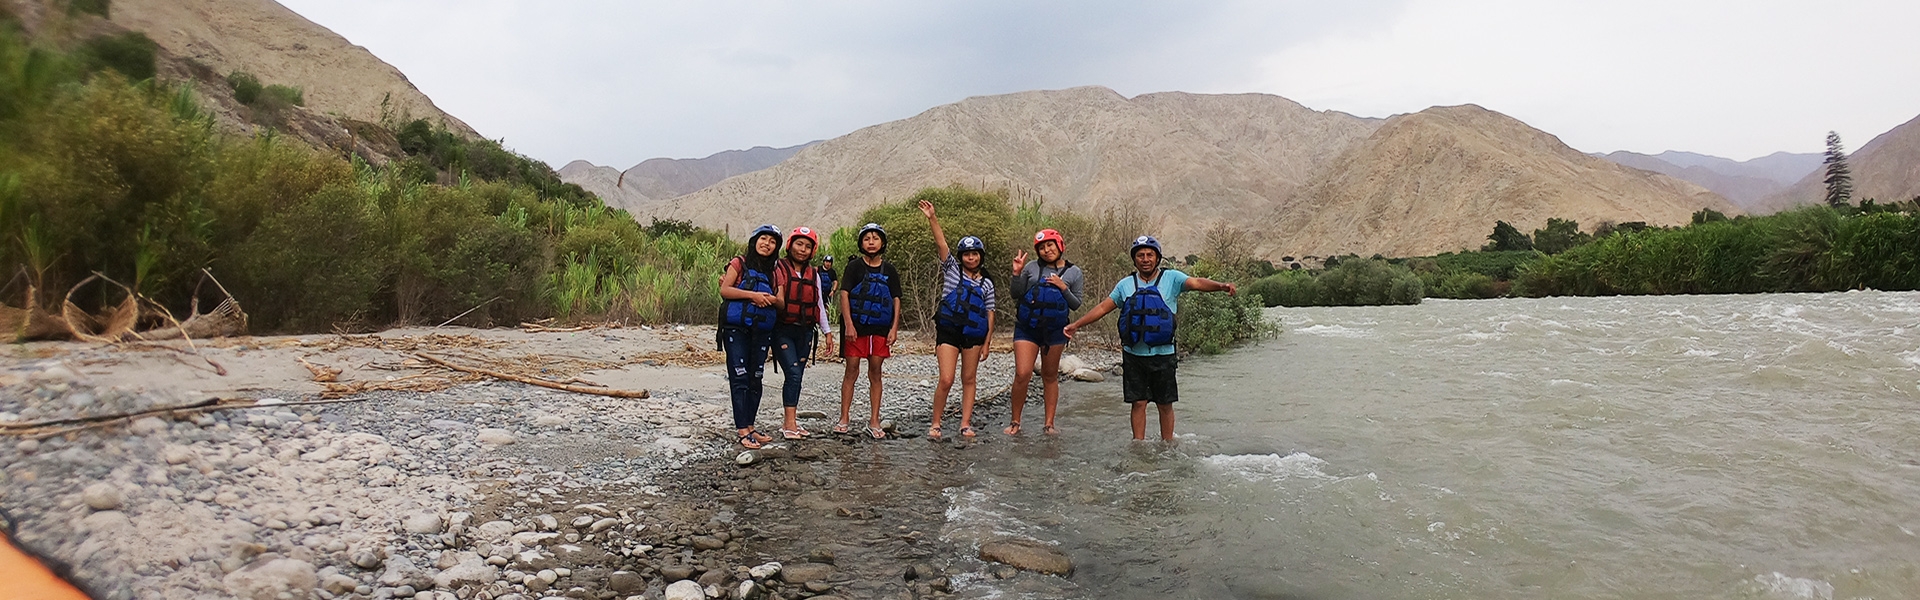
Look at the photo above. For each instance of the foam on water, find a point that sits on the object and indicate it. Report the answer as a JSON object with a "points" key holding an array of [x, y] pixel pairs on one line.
{"points": [[1338, 331], [1784, 586], [1271, 467]]}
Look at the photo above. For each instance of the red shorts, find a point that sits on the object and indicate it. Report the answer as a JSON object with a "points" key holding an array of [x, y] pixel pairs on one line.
{"points": [[867, 346]]}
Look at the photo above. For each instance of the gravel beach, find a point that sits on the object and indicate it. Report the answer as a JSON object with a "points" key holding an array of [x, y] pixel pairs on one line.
{"points": [[484, 489]]}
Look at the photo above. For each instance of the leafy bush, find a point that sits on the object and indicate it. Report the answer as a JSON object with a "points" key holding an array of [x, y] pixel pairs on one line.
{"points": [[280, 96], [910, 246], [1212, 322], [1351, 282], [131, 54], [246, 87]]}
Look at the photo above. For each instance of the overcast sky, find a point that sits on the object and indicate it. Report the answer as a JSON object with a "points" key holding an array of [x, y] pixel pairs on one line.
{"points": [[617, 81]]}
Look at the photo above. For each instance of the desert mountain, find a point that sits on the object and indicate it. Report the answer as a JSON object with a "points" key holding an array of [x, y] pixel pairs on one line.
{"points": [[1436, 180], [1887, 169], [1308, 182], [667, 178], [280, 46], [1190, 160], [1745, 183]]}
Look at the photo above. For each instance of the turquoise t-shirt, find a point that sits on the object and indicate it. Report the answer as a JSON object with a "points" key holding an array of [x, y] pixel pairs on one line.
{"points": [[1171, 283]]}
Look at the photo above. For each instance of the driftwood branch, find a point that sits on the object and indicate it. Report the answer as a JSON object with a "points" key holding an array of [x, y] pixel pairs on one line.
{"points": [[578, 389]]}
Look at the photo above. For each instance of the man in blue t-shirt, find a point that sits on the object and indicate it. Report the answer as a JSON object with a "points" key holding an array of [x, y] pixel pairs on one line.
{"points": [[1147, 301]]}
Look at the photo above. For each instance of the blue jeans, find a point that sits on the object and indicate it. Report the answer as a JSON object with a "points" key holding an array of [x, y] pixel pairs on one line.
{"points": [[792, 345], [746, 363]]}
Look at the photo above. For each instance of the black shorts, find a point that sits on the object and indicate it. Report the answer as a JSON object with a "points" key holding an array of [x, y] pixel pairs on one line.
{"points": [[1149, 378], [947, 337]]}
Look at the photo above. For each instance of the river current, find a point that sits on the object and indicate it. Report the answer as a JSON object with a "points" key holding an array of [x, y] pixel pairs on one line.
{"points": [[1761, 446]]}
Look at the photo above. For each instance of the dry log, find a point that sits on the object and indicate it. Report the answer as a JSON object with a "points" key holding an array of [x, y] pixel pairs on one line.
{"points": [[578, 389]]}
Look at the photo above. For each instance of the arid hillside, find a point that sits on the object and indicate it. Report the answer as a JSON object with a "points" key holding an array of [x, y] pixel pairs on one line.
{"points": [[1436, 180], [667, 178], [1191, 160]]}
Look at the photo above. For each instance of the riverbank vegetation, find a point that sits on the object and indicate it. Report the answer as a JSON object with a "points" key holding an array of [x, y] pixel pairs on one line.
{"points": [[105, 170]]}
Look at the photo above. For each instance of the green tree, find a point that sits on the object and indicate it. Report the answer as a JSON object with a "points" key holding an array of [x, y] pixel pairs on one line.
{"points": [[1839, 178], [1506, 237], [1708, 215], [1559, 236]]}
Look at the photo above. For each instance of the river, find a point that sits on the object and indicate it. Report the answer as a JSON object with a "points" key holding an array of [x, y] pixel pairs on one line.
{"points": [[1762, 446]]}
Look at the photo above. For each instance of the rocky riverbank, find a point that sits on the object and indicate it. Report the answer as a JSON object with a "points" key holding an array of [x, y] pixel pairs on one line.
{"points": [[486, 489]]}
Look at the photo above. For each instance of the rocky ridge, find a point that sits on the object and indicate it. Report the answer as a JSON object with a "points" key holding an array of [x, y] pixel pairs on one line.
{"points": [[1886, 169]]}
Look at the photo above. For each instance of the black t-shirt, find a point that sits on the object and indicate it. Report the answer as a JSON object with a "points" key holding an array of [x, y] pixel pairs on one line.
{"points": [[856, 272]]}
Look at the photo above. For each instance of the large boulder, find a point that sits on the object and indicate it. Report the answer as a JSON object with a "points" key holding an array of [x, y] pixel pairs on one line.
{"points": [[1027, 555]]}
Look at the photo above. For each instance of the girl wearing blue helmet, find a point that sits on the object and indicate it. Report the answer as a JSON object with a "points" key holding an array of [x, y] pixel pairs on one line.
{"points": [[747, 316], [963, 328], [1147, 301]]}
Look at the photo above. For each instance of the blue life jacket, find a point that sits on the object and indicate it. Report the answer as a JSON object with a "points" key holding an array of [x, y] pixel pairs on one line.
{"points": [[1044, 307], [871, 301], [964, 310], [743, 313], [1146, 319]]}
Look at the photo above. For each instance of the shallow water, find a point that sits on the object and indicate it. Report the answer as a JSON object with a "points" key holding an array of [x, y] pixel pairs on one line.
{"points": [[1763, 446]]}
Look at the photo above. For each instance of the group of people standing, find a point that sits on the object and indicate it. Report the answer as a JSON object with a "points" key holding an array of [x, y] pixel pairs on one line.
{"points": [[774, 304]]}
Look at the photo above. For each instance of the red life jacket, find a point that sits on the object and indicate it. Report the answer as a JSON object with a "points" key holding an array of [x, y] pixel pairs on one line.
{"points": [[801, 288]]}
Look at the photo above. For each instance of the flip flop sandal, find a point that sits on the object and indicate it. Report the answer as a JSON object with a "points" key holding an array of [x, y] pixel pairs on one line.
{"points": [[842, 427], [967, 432], [747, 441], [795, 434], [759, 437], [933, 433], [877, 433], [1013, 429]]}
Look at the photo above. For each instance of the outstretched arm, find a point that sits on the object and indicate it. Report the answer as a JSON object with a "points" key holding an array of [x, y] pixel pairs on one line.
{"points": [[1202, 284], [933, 222], [1099, 310]]}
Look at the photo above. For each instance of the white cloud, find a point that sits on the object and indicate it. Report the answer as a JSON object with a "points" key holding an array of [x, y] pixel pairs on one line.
{"points": [[1736, 79]]}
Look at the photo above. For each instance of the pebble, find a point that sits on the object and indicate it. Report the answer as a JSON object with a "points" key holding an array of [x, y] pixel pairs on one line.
{"points": [[495, 437], [603, 525], [27, 446], [547, 522], [765, 571], [101, 496], [581, 522], [147, 426], [176, 454]]}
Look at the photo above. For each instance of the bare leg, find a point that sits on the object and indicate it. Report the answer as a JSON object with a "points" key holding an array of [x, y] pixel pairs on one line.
{"points": [[1139, 419], [792, 421], [873, 389], [1166, 422], [948, 357], [1050, 383], [1023, 354], [846, 393], [969, 367]]}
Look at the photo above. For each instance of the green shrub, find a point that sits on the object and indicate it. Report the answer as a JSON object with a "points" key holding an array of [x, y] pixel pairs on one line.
{"points": [[1212, 322], [1368, 282], [1461, 286], [283, 96], [89, 7], [131, 54], [246, 87], [962, 212], [314, 265], [1287, 288]]}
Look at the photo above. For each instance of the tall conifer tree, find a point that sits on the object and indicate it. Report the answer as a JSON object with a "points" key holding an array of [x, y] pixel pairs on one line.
{"points": [[1839, 177]]}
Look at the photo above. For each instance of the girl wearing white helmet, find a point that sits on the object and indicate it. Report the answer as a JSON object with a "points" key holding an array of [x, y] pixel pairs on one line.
{"points": [[963, 331]]}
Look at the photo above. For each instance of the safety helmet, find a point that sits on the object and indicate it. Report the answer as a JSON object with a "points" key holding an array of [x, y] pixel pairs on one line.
{"points": [[1146, 241], [765, 230], [1050, 235], [803, 232], [828, 258], [873, 227], [970, 244]]}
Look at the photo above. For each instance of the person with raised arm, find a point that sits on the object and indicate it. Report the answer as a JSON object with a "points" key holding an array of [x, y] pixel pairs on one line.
{"points": [[963, 324]]}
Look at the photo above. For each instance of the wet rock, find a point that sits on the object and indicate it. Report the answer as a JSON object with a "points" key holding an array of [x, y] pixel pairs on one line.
{"points": [[685, 590], [703, 542], [101, 496], [747, 458], [626, 582], [1004, 572], [676, 572], [820, 554], [760, 484], [1027, 555], [940, 584], [104, 522], [268, 579], [805, 572], [920, 572], [818, 587]]}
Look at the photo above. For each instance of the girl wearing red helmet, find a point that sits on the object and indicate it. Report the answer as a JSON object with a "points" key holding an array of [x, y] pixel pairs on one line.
{"points": [[803, 311], [1046, 292]]}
